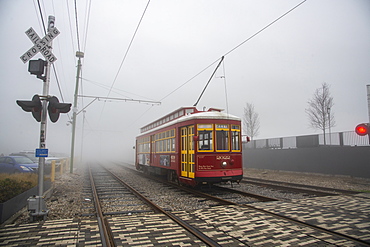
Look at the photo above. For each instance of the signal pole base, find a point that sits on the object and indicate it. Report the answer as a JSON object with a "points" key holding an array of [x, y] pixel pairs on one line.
{"points": [[37, 208]]}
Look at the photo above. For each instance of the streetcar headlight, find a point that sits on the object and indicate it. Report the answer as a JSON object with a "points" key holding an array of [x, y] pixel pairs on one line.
{"points": [[224, 164]]}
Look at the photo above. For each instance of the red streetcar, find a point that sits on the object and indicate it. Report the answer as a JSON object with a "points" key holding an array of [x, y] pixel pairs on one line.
{"points": [[192, 147]]}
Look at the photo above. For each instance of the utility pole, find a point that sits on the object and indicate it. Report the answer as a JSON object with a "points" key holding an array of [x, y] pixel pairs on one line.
{"points": [[80, 55]]}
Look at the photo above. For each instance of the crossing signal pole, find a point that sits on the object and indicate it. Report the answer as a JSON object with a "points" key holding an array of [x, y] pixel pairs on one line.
{"points": [[41, 210], [41, 105]]}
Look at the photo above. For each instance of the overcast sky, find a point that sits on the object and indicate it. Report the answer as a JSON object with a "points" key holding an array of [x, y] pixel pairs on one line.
{"points": [[278, 70]]}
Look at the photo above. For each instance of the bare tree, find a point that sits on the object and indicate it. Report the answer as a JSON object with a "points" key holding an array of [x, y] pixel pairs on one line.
{"points": [[251, 121], [319, 109]]}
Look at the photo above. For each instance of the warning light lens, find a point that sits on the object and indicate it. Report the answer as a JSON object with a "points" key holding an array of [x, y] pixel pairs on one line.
{"points": [[362, 129]]}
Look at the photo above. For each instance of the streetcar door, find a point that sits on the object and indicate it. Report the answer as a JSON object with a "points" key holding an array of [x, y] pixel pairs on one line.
{"points": [[187, 151], [151, 148]]}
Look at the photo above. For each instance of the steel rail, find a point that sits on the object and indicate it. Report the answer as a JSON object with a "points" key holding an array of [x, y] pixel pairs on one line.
{"points": [[248, 194], [205, 195], [338, 234], [105, 231], [259, 181], [205, 239], [224, 201], [362, 242]]}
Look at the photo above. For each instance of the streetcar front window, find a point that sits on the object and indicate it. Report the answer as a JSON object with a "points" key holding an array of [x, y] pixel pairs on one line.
{"points": [[205, 140], [235, 138], [222, 138]]}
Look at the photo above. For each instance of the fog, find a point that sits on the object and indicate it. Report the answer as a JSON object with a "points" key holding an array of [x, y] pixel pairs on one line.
{"points": [[173, 54]]}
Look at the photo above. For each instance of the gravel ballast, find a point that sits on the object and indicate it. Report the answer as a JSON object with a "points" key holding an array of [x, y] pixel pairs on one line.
{"points": [[68, 198]]}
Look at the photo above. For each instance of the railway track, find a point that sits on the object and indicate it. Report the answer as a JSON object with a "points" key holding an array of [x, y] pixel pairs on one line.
{"points": [[310, 190], [222, 217], [107, 233], [241, 194], [300, 188]]}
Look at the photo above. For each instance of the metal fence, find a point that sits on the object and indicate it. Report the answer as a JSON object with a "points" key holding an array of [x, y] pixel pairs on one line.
{"points": [[348, 138]]}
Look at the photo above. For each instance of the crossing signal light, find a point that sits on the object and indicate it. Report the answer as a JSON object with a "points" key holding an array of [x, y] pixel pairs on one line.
{"points": [[33, 106], [55, 108], [362, 129], [36, 67]]}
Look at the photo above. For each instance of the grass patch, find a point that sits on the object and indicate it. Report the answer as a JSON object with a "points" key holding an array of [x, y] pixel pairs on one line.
{"points": [[12, 185]]}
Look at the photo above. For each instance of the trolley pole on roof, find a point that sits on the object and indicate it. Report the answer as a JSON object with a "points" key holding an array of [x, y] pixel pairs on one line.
{"points": [[80, 55]]}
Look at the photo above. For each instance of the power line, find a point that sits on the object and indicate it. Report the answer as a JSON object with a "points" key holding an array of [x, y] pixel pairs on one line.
{"points": [[129, 46], [78, 36], [124, 57], [87, 23], [189, 80], [70, 25], [263, 29], [42, 18], [54, 70], [116, 90], [34, 5], [233, 49]]}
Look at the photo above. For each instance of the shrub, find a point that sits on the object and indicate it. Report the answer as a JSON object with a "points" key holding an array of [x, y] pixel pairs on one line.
{"points": [[12, 185]]}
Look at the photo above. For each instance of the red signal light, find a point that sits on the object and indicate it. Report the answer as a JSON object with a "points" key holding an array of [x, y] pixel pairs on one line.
{"points": [[362, 129]]}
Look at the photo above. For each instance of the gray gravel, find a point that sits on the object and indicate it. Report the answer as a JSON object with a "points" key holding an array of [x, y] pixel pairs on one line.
{"points": [[71, 197], [323, 180]]}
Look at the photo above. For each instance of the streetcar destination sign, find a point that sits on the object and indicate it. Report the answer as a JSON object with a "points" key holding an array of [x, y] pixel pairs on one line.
{"points": [[40, 45]]}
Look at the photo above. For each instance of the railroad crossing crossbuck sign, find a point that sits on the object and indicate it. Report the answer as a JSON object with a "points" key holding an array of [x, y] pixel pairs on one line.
{"points": [[41, 45]]}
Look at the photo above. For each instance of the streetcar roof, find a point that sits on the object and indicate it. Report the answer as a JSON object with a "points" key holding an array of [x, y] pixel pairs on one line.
{"points": [[197, 115]]}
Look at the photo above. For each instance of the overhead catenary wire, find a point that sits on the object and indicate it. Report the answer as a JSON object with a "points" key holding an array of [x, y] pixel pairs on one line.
{"points": [[42, 18], [38, 19], [116, 90], [125, 55], [70, 24], [236, 47], [78, 35], [129, 46], [227, 53], [87, 21]]}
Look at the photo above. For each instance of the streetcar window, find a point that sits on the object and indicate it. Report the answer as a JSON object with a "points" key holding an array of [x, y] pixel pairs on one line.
{"points": [[205, 140], [235, 140], [173, 144], [168, 145], [235, 127], [188, 111], [222, 140]]}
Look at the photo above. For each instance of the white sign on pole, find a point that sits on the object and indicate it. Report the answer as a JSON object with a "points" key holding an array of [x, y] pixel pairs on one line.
{"points": [[41, 45]]}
